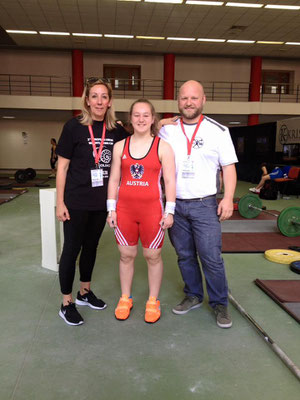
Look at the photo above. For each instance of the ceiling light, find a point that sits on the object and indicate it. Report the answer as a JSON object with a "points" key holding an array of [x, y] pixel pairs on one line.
{"points": [[234, 123], [268, 42], [118, 36], [24, 32], [164, 1], [179, 38], [54, 33], [88, 34], [293, 43], [205, 3], [8, 117], [150, 37], [282, 7], [240, 41], [210, 40], [249, 5]]}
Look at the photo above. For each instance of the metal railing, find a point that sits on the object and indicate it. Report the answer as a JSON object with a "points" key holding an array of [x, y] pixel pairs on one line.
{"points": [[41, 85], [35, 85]]}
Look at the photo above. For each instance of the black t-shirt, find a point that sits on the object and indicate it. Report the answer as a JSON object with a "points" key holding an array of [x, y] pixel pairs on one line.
{"points": [[75, 144]]}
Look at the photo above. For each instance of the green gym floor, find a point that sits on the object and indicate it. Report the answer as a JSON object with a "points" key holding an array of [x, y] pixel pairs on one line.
{"points": [[180, 357]]}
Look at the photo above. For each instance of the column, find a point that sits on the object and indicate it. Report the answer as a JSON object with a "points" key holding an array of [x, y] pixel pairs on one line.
{"points": [[77, 75], [255, 83], [169, 74]]}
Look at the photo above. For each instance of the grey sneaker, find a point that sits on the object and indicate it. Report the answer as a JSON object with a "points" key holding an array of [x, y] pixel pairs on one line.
{"points": [[223, 317], [187, 304]]}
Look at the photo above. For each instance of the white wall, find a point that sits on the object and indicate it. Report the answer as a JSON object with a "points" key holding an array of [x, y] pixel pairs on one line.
{"points": [[15, 154]]}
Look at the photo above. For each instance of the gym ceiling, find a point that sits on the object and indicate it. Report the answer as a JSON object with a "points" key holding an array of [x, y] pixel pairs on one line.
{"points": [[166, 22]]}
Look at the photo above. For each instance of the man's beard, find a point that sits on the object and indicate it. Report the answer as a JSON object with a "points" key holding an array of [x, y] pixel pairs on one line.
{"points": [[191, 113]]}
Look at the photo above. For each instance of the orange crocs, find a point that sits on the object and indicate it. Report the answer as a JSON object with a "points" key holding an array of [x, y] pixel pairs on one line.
{"points": [[124, 306], [152, 313]]}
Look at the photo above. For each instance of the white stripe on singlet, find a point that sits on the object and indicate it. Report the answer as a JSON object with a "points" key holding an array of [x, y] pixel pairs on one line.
{"points": [[121, 239], [158, 239]]}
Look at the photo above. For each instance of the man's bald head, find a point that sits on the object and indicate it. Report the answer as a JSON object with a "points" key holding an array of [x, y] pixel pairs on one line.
{"points": [[191, 99]]}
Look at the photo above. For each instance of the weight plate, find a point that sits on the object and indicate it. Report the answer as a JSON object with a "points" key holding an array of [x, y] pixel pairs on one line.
{"points": [[20, 176], [295, 267], [30, 172], [285, 221], [282, 256], [249, 200]]}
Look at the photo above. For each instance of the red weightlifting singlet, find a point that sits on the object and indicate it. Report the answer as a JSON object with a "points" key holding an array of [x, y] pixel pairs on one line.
{"points": [[139, 206]]}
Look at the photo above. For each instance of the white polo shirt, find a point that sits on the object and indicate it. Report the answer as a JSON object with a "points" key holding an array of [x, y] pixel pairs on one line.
{"points": [[211, 147]]}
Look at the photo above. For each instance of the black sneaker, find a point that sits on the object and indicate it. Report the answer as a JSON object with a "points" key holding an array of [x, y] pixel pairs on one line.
{"points": [[223, 317], [89, 299], [70, 314]]}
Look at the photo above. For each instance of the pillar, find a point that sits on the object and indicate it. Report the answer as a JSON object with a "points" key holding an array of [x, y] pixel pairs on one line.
{"points": [[77, 75], [169, 75], [255, 83]]}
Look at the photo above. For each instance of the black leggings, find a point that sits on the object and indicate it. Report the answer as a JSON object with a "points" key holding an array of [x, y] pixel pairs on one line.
{"points": [[81, 232]]}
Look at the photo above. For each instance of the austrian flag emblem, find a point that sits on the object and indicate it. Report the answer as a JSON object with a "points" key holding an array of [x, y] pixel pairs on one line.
{"points": [[136, 171]]}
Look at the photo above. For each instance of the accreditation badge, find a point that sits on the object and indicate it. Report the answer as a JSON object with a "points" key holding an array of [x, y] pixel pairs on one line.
{"points": [[97, 177], [188, 171]]}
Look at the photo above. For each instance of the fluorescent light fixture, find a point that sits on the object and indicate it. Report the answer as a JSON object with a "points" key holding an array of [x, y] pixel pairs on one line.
{"points": [[240, 41], [55, 33], [164, 1], [179, 38], [8, 117], [210, 40], [88, 34], [204, 3], [234, 123], [24, 32], [282, 7], [108, 35], [293, 43], [267, 42], [248, 5], [150, 37]]}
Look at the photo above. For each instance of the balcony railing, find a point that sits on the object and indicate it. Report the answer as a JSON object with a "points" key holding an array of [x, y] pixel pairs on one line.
{"points": [[35, 85], [40, 85]]}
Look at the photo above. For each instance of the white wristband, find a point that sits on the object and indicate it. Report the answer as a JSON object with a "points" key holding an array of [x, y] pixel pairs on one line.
{"points": [[170, 207], [111, 205]]}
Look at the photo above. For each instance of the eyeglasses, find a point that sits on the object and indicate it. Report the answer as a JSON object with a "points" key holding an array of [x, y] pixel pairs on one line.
{"points": [[94, 79]]}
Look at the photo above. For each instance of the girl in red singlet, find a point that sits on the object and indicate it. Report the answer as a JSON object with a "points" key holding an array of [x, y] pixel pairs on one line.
{"points": [[136, 210]]}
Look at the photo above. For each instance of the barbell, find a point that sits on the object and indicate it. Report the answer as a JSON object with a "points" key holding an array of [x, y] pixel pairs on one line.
{"points": [[288, 221]]}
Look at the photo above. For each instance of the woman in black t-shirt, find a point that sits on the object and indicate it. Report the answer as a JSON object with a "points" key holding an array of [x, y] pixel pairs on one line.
{"points": [[84, 157]]}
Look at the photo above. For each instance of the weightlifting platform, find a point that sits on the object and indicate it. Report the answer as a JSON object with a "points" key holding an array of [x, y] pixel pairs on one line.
{"points": [[240, 235], [286, 293]]}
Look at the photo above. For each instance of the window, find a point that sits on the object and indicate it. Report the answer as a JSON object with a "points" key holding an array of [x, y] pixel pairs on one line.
{"points": [[123, 77], [277, 82]]}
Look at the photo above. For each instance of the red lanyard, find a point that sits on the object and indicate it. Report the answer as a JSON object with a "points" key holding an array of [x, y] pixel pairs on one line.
{"points": [[190, 142], [97, 154]]}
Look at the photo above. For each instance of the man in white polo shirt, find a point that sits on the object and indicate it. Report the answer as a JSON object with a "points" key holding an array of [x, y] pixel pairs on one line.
{"points": [[201, 146]]}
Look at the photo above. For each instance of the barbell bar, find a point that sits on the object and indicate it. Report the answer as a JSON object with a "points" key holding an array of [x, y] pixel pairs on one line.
{"points": [[288, 221]]}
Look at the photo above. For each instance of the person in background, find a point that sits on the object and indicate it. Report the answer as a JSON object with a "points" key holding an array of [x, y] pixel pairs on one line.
{"points": [[277, 172], [84, 157], [53, 158], [200, 146], [136, 209]]}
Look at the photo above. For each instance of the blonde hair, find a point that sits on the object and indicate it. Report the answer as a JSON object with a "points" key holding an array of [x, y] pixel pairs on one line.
{"points": [[85, 118], [154, 125]]}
